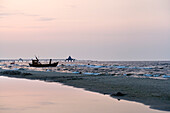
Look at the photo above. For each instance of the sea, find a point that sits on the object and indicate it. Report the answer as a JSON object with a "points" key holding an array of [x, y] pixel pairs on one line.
{"points": [[142, 69]]}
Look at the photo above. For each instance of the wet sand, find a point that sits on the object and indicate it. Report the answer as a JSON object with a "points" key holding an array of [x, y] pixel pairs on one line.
{"points": [[152, 92]]}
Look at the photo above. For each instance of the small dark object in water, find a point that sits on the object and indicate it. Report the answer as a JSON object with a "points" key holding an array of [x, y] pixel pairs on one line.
{"points": [[21, 69], [62, 65], [58, 69], [65, 69], [12, 62], [26, 74], [129, 74], [118, 94]]}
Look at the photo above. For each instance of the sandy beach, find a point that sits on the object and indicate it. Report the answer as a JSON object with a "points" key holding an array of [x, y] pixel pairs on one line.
{"points": [[152, 92]]}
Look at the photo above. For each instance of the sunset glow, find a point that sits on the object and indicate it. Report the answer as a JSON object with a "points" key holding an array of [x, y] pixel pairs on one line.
{"points": [[90, 29]]}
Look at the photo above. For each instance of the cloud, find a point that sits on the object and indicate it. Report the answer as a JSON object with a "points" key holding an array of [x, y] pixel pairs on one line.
{"points": [[14, 109], [46, 19], [26, 14], [33, 27], [18, 13], [5, 27], [5, 14], [31, 15], [46, 103], [2, 15]]}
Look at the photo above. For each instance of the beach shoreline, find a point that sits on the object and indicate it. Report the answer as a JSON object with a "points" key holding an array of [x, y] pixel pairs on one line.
{"points": [[152, 92]]}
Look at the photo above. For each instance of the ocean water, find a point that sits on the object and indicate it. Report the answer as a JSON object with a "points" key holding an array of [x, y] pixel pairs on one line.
{"points": [[144, 69]]}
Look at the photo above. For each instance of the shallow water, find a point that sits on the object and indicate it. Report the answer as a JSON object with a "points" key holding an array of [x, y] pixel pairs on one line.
{"points": [[28, 96], [144, 69]]}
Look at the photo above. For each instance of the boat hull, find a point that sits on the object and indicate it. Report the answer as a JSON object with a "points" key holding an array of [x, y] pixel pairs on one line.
{"points": [[44, 65]]}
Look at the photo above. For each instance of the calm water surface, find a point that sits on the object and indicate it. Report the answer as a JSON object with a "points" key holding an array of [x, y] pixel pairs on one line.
{"points": [[28, 96]]}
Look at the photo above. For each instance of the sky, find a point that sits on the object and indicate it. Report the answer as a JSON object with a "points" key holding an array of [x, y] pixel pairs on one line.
{"points": [[85, 29]]}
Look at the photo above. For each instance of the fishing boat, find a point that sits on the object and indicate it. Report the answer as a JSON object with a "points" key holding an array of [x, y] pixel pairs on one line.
{"points": [[37, 63]]}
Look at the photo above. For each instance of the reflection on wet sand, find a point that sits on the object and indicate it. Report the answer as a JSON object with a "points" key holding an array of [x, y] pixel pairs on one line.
{"points": [[25, 96]]}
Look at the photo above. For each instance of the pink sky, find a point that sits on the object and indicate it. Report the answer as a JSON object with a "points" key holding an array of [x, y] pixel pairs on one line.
{"points": [[90, 29]]}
